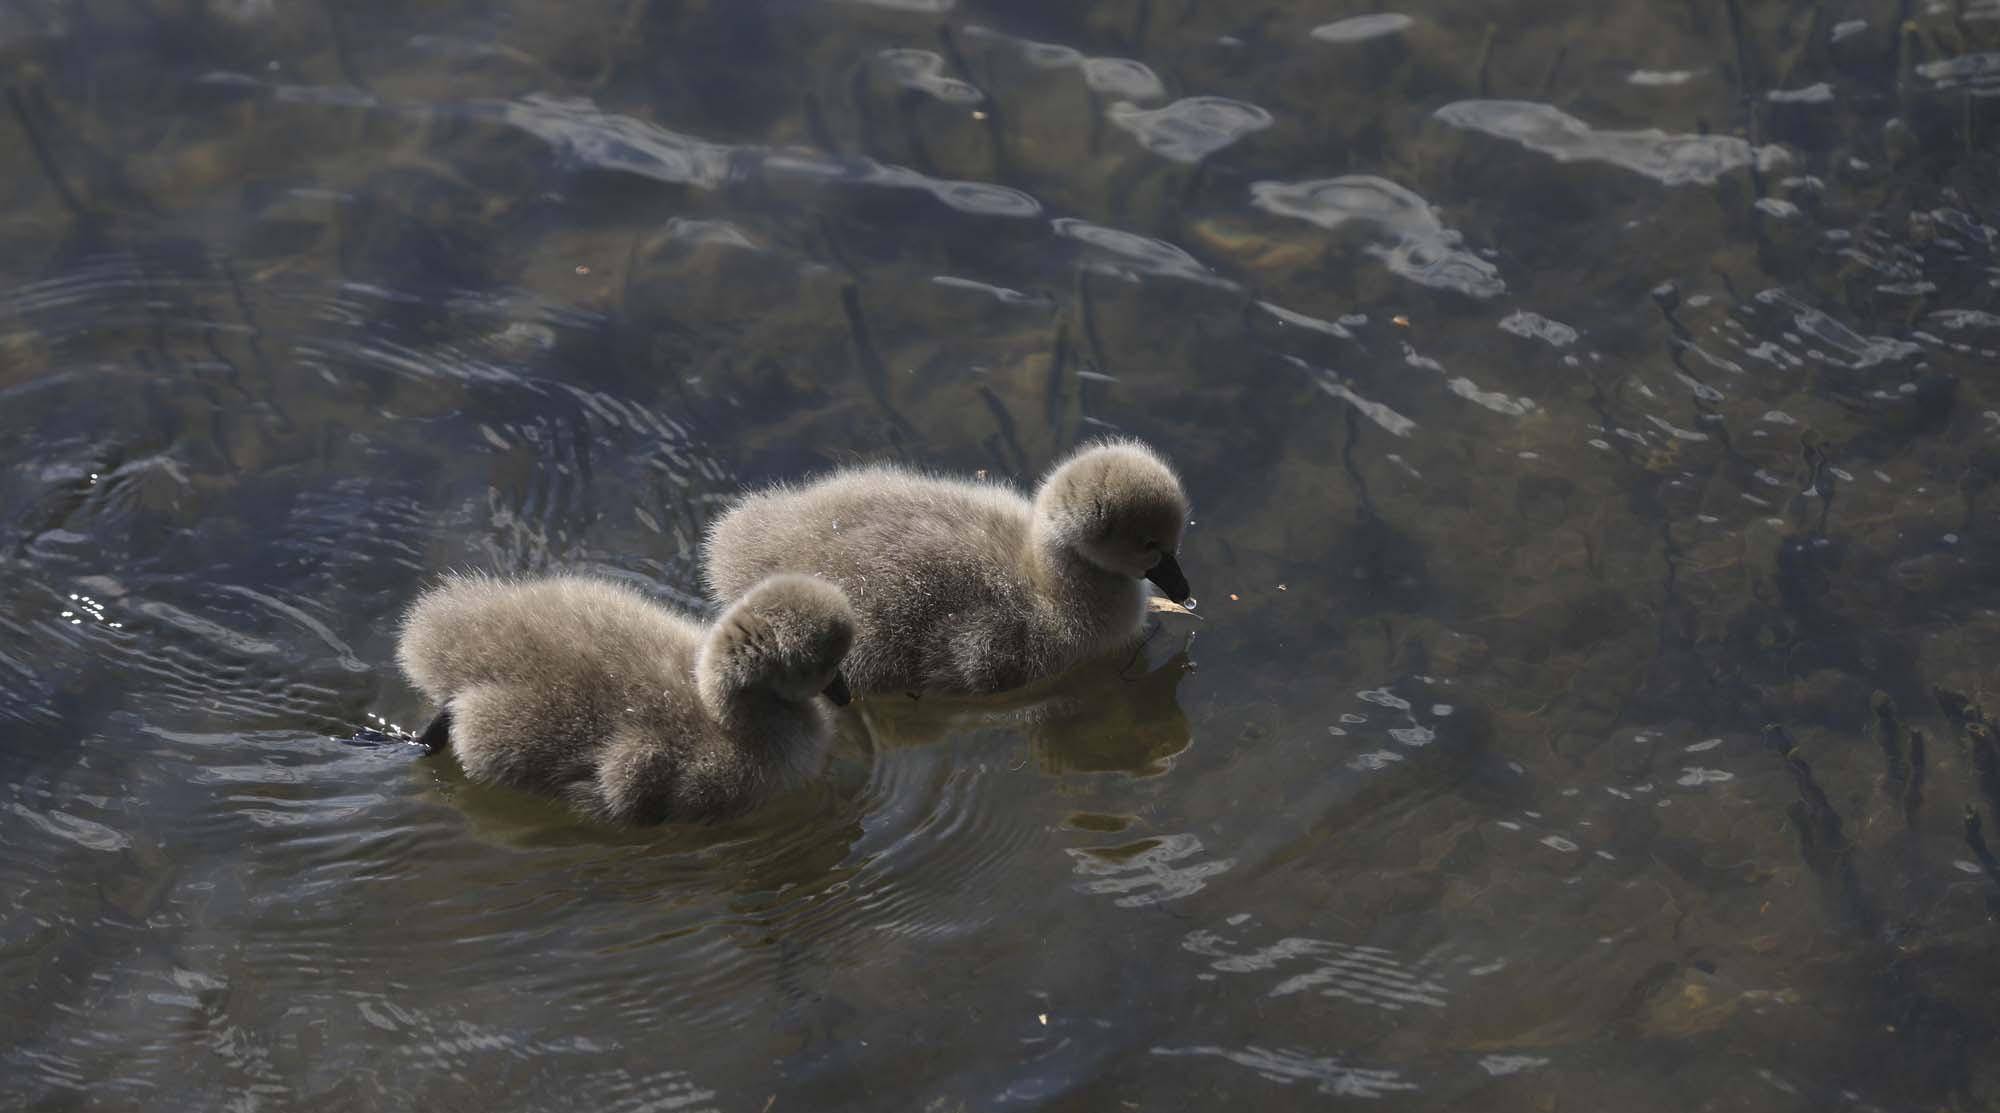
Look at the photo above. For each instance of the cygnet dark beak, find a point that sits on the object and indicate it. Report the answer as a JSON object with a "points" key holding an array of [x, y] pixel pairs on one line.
{"points": [[1167, 575], [837, 691]]}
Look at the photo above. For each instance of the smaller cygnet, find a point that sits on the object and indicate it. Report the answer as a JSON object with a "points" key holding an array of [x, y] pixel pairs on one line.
{"points": [[964, 586], [586, 690]]}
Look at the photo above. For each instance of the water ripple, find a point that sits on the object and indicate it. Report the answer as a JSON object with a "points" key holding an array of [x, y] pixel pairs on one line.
{"points": [[1364, 975], [1534, 325], [1123, 78], [1361, 28], [1671, 160], [1134, 252], [1190, 129], [86, 833], [1150, 871], [1420, 247], [1978, 71], [614, 142], [923, 71], [1333, 1077]]}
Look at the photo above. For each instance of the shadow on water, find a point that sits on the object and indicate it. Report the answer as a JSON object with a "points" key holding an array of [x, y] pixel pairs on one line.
{"points": [[1590, 415]]}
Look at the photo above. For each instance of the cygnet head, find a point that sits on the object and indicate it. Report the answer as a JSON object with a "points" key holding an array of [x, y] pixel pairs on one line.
{"points": [[786, 636], [1119, 506]]}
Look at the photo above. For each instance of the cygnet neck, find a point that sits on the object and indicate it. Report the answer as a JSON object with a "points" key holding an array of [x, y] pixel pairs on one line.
{"points": [[1070, 586], [729, 697], [748, 712]]}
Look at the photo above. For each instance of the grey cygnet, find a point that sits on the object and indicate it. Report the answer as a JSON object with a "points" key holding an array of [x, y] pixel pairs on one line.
{"points": [[586, 690], [963, 586]]}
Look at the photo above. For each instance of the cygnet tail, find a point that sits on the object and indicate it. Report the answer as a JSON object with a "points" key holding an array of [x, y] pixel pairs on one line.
{"points": [[437, 736]]}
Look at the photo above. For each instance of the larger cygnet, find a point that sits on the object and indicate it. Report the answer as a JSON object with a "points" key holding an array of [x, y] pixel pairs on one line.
{"points": [[587, 690], [967, 587]]}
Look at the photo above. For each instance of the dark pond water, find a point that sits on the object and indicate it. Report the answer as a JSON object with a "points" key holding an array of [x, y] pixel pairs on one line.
{"points": [[1592, 411]]}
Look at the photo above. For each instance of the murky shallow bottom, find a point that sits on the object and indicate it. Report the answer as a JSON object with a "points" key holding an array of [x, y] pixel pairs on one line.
{"points": [[1564, 402]]}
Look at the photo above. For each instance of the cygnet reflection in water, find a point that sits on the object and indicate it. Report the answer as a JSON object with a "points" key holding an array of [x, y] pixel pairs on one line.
{"points": [[797, 840], [969, 587], [1117, 713], [588, 691]]}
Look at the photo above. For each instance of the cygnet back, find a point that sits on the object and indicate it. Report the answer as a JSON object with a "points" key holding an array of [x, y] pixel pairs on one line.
{"points": [[587, 690], [962, 585]]}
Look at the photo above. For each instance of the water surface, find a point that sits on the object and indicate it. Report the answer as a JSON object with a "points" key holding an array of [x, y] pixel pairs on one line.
{"points": [[1591, 414]]}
